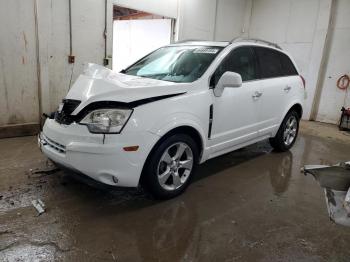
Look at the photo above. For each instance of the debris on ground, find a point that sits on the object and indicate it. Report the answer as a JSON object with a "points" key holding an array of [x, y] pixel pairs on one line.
{"points": [[47, 171], [335, 180], [39, 206]]}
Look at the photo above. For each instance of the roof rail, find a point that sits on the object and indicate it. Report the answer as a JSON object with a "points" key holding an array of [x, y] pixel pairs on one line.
{"points": [[197, 40], [256, 40], [187, 40]]}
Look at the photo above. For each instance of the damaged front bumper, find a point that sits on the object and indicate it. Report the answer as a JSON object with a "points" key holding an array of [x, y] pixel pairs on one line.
{"points": [[100, 158]]}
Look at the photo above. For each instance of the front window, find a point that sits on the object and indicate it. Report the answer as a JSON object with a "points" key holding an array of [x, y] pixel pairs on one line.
{"points": [[242, 61], [182, 64]]}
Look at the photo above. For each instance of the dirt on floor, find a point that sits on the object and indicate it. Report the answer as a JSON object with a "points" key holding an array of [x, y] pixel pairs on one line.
{"points": [[327, 131], [250, 205]]}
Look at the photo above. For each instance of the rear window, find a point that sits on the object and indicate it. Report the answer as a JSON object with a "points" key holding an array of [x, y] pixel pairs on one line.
{"points": [[274, 64], [287, 66]]}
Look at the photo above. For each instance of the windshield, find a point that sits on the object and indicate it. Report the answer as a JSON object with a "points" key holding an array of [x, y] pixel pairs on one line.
{"points": [[182, 64]]}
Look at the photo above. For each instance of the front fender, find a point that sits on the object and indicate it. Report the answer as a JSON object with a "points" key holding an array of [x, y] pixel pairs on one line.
{"points": [[162, 127]]}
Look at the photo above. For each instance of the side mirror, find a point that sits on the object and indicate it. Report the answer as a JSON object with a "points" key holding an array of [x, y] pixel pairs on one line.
{"points": [[228, 79]]}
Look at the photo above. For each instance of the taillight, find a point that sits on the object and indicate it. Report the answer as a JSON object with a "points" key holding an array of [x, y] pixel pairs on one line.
{"points": [[303, 79]]}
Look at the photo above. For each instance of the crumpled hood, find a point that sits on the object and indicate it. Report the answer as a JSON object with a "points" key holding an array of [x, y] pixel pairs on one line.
{"points": [[102, 84]]}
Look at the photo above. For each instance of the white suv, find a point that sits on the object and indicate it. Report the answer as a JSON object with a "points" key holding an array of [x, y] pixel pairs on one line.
{"points": [[154, 122]]}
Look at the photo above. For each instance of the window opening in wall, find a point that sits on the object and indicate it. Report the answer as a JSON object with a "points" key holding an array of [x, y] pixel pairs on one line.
{"points": [[137, 33]]}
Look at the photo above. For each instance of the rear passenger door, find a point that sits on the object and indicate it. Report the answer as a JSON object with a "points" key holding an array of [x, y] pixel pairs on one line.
{"points": [[276, 74]]}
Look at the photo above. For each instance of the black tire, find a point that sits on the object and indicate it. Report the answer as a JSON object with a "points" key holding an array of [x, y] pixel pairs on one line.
{"points": [[150, 172], [278, 142]]}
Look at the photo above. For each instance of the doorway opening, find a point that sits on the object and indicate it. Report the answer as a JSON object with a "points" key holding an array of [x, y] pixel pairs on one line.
{"points": [[136, 34]]}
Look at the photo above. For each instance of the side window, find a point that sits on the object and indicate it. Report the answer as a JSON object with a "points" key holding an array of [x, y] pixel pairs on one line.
{"points": [[241, 60], [288, 66], [270, 63]]}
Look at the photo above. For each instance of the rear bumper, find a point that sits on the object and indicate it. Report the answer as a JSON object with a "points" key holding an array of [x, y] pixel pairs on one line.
{"points": [[100, 158]]}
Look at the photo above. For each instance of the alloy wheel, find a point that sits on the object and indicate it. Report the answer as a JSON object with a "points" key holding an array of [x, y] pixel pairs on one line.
{"points": [[290, 131], [175, 166]]}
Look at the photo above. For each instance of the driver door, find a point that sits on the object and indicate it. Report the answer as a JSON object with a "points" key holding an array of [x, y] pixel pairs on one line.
{"points": [[235, 112]]}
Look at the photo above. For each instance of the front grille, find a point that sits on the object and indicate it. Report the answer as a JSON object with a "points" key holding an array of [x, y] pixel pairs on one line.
{"points": [[64, 116], [54, 145]]}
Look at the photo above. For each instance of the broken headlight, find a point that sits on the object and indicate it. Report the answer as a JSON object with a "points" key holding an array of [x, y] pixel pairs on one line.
{"points": [[105, 121]]}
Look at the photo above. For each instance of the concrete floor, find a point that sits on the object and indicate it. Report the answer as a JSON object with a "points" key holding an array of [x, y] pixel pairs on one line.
{"points": [[250, 205]]}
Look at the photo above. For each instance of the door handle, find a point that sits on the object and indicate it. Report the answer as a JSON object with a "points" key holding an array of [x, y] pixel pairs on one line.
{"points": [[257, 94], [287, 88]]}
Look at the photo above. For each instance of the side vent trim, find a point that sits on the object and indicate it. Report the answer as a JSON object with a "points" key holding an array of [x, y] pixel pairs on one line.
{"points": [[211, 113]]}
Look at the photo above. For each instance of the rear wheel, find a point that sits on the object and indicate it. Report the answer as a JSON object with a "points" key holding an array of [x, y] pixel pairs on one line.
{"points": [[170, 166], [287, 133]]}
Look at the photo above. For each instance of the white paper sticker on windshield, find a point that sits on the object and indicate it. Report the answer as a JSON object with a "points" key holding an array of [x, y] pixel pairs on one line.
{"points": [[206, 51]]}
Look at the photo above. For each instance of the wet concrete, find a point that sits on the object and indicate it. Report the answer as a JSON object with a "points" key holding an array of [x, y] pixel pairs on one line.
{"points": [[249, 205]]}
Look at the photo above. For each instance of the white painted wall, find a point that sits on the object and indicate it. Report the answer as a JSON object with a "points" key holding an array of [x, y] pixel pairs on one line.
{"points": [[300, 27], [219, 20], [197, 19], [18, 71], [88, 44], [232, 19], [332, 98], [134, 39]]}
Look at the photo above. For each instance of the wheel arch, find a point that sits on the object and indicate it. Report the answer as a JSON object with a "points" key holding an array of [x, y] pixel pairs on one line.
{"points": [[298, 108], [191, 131], [183, 129], [277, 139]]}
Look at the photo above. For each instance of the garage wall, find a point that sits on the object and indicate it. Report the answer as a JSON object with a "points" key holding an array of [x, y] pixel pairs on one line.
{"points": [[18, 71], [300, 27], [87, 44], [194, 24], [34, 48], [219, 20], [34, 53], [338, 63], [232, 19]]}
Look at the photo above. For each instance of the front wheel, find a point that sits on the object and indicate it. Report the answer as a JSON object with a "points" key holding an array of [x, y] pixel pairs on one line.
{"points": [[171, 165], [287, 133]]}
